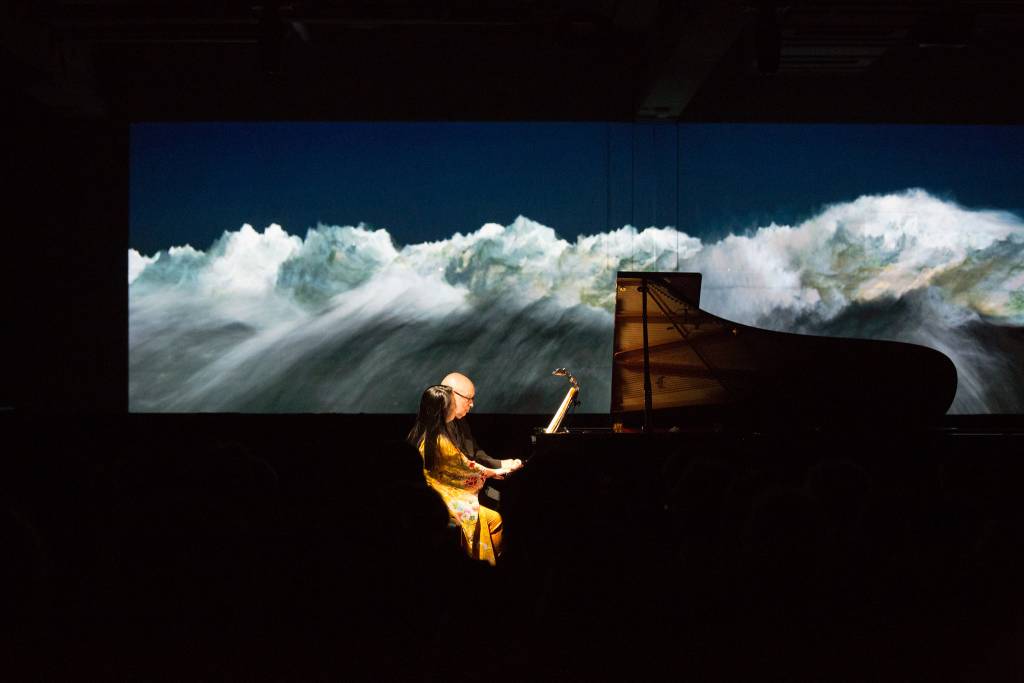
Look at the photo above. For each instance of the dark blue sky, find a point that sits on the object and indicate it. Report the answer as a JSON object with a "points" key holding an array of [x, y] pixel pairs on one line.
{"points": [[737, 177], [425, 181]]}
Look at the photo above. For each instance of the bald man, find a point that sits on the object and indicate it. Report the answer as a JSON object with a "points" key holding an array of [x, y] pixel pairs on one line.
{"points": [[464, 392]]}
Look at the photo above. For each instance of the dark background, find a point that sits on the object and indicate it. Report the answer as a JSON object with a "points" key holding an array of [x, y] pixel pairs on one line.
{"points": [[146, 547]]}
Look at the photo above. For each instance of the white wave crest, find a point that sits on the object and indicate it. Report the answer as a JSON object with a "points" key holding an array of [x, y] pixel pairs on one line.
{"points": [[137, 263], [284, 300], [871, 248]]}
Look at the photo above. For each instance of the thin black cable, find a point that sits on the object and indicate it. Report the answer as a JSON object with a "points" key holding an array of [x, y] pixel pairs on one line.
{"points": [[677, 196], [654, 189], [608, 190], [632, 195]]}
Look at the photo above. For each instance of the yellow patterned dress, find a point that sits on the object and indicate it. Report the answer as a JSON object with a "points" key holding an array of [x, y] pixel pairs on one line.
{"points": [[458, 480]]}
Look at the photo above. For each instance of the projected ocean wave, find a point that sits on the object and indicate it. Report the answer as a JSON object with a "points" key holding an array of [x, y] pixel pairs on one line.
{"points": [[343, 320]]}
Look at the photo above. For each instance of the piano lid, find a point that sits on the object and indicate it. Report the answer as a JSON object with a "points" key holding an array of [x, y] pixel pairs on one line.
{"points": [[697, 359]]}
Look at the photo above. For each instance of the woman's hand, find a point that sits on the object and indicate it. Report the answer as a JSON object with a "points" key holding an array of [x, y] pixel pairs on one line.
{"points": [[507, 468], [485, 472], [511, 465]]}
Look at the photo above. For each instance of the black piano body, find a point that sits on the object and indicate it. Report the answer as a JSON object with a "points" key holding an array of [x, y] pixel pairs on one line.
{"points": [[765, 510], [688, 384]]}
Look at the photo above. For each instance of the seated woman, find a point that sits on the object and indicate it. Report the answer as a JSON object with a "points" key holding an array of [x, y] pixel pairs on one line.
{"points": [[457, 478]]}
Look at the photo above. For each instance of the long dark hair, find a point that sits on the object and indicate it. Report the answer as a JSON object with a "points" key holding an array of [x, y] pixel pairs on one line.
{"points": [[431, 423]]}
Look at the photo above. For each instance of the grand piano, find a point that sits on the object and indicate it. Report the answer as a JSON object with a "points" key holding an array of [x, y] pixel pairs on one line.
{"points": [[686, 385], [764, 505], [675, 364]]}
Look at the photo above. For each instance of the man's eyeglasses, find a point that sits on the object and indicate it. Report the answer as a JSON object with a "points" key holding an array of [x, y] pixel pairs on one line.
{"points": [[468, 398]]}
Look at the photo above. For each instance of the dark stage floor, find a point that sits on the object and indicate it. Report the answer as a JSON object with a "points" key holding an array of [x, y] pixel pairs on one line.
{"points": [[259, 547]]}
